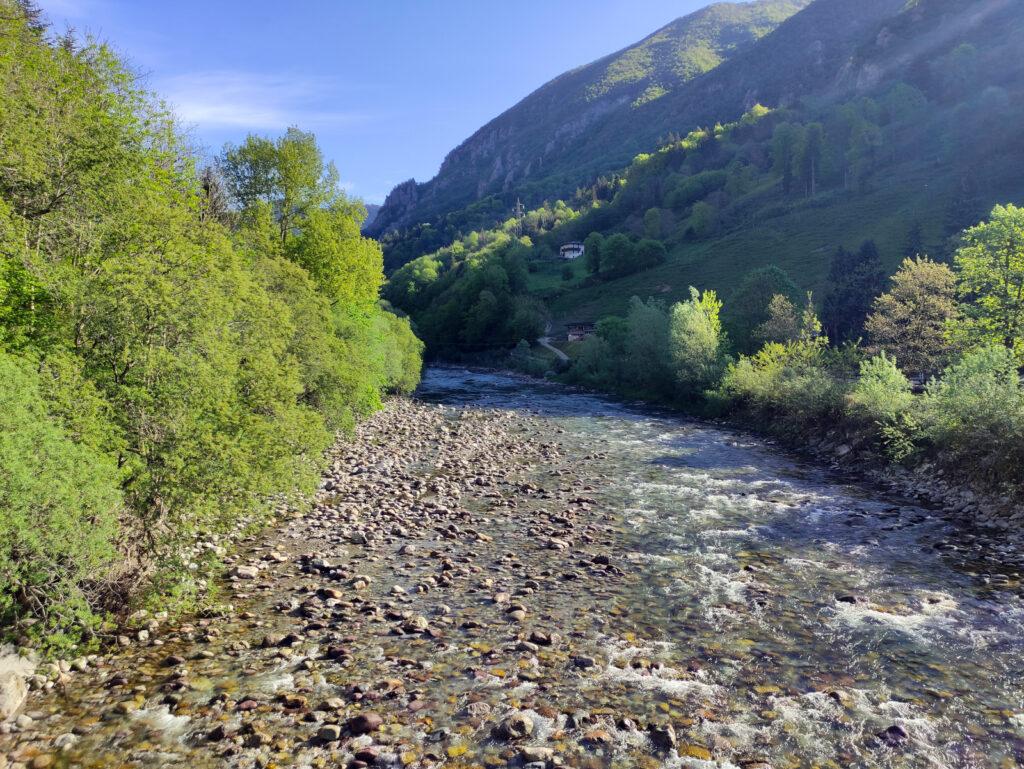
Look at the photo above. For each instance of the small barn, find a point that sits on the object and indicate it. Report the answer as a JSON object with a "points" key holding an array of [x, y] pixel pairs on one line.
{"points": [[571, 251], [577, 332]]}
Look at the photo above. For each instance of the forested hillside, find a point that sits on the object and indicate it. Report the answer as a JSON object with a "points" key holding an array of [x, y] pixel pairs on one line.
{"points": [[755, 224], [569, 130], [177, 344], [925, 151]]}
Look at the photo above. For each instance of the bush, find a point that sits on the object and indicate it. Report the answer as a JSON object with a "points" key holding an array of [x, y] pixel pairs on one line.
{"points": [[792, 384], [59, 505], [592, 365], [973, 417], [882, 392]]}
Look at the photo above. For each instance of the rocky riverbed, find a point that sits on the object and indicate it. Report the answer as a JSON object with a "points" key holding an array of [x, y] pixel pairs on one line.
{"points": [[510, 574]]}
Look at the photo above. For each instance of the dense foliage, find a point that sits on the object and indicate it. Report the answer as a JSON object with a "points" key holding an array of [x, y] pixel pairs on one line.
{"points": [[969, 419], [169, 363]]}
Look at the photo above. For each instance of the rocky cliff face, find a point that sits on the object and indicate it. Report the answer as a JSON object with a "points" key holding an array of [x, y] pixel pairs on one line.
{"points": [[397, 209], [528, 143]]}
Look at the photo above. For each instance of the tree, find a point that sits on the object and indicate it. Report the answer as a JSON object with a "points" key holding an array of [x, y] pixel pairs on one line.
{"points": [[617, 256], [289, 173], [990, 277], [856, 279], [646, 365], [703, 219], [698, 343], [653, 223], [915, 241], [810, 156], [160, 375], [748, 307], [909, 321], [592, 247], [782, 325], [784, 148], [650, 253]]}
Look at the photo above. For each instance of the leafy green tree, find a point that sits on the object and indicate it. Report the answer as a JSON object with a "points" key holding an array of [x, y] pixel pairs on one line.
{"points": [[698, 343], [649, 253], [974, 417], [855, 280], [703, 219], [809, 159], [785, 149], [59, 507], [289, 173], [882, 392], [173, 375], [782, 324], [646, 361], [617, 256], [910, 320], [653, 223], [348, 268], [748, 307], [990, 277]]}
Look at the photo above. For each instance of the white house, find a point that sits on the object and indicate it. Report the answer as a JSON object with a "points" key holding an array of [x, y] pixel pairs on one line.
{"points": [[571, 251]]}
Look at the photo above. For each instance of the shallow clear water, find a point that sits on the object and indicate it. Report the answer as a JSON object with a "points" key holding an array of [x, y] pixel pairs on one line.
{"points": [[812, 613], [775, 613]]}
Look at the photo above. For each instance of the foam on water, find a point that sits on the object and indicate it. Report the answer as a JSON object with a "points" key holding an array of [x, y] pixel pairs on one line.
{"points": [[160, 720]]}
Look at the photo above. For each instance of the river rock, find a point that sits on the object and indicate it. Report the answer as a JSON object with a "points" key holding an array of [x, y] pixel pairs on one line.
{"points": [[515, 727], [13, 693], [663, 737], [365, 723]]}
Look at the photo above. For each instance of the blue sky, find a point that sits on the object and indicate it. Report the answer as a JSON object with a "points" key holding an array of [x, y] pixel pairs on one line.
{"points": [[388, 86]]}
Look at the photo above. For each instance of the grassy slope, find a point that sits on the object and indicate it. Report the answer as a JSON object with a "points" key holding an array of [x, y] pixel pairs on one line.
{"points": [[801, 243]]}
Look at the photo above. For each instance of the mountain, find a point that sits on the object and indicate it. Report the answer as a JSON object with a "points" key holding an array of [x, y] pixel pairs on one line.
{"points": [[894, 121], [372, 210], [535, 148]]}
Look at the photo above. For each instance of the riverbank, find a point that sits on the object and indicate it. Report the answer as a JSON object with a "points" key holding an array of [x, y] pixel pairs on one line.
{"points": [[509, 573], [856, 446]]}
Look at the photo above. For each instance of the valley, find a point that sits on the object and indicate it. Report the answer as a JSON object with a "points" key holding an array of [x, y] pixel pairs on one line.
{"points": [[509, 573]]}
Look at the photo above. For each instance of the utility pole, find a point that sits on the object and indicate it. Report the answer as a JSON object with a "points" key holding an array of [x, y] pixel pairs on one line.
{"points": [[520, 214]]}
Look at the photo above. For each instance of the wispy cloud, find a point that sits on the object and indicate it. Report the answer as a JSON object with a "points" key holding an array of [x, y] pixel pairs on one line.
{"points": [[235, 99], [60, 10]]}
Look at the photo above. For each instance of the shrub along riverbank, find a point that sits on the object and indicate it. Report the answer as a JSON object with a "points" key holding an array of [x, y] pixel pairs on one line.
{"points": [[177, 346], [960, 332]]}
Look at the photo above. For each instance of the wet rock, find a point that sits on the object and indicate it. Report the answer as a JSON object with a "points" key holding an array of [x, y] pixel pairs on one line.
{"points": [[597, 737], [894, 735], [368, 755], [329, 733], [531, 754], [365, 723], [543, 639], [663, 736], [516, 727], [851, 599], [477, 709]]}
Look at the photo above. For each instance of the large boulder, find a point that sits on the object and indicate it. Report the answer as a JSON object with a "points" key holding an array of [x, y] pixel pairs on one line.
{"points": [[13, 693]]}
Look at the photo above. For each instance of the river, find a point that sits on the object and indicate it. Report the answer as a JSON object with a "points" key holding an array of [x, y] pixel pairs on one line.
{"points": [[768, 612]]}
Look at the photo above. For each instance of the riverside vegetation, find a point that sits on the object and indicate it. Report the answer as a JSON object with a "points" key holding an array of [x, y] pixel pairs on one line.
{"points": [[788, 219], [177, 345], [512, 573]]}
